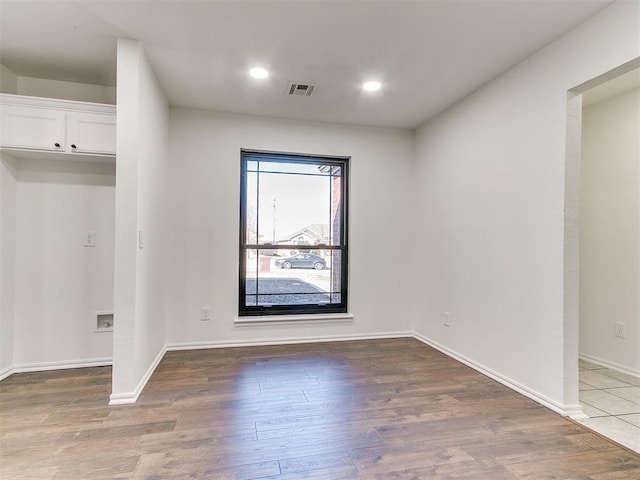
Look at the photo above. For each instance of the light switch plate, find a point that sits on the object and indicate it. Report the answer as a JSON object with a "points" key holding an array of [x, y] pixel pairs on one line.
{"points": [[90, 238]]}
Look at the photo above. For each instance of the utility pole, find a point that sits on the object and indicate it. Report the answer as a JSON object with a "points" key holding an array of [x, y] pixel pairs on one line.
{"points": [[274, 220]]}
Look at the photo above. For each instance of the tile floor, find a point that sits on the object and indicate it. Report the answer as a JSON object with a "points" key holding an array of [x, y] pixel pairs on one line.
{"points": [[611, 400]]}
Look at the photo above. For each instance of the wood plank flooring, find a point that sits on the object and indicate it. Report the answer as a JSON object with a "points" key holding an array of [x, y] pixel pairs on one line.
{"points": [[374, 409]]}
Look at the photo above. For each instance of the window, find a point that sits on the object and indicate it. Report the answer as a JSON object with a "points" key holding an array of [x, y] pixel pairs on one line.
{"points": [[293, 234]]}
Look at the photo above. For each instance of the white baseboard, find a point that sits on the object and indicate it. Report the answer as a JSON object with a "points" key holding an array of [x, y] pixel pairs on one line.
{"points": [[608, 364], [285, 341], [132, 397], [5, 372], [45, 366], [573, 411]]}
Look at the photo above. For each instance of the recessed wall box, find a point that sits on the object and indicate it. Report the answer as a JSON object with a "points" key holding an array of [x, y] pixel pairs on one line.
{"points": [[104, 321]]}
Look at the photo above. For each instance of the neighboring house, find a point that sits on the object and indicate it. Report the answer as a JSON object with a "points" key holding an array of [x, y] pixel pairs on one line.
{"points": [[314, 234]]}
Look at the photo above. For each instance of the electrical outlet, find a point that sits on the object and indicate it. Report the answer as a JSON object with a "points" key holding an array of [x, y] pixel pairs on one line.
{"points": [[446, 319], [621, 330], [90, 238], [205, 314]]}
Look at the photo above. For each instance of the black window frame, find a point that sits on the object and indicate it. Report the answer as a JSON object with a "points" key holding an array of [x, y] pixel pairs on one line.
{"points": [[245, 310]]}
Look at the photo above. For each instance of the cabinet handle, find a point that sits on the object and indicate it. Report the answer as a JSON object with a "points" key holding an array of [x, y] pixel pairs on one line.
{"points": [[57, 145], [73, 145]]}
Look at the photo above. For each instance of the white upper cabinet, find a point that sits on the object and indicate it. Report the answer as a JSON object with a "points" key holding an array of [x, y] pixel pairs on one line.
{"points": [[33, 128], [91, 133], [47, 125]]}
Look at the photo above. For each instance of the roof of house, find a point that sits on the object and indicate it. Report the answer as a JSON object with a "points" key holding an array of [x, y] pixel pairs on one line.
{"points": [[318, 231]]}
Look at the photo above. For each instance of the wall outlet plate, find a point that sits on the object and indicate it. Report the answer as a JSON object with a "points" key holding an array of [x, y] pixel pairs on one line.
{"points": [[205, 313], [90, 238], [446, 319], [621, 330]]}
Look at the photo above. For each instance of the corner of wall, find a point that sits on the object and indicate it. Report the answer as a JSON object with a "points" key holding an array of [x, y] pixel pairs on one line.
{"points": [[8, 197], [140, 268], [8, 81]]}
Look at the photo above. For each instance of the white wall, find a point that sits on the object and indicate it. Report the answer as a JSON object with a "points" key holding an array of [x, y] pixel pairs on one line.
{"points": [[59, 283], [8, 81], [489, 200], [153, 176], [609, 231], [7, 259], [41, 87], [141, 205], [204, 215], [82, 92], [51, 286]]}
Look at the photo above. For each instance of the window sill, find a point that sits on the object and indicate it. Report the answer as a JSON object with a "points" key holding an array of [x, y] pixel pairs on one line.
{"points": [[294, 319]]}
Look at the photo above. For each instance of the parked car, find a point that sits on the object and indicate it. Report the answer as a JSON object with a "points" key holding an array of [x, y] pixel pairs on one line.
{"points": [[302, 260]]}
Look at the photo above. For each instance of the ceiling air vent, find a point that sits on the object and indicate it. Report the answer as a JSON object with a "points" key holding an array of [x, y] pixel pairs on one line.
{"points": [[300, 89]]}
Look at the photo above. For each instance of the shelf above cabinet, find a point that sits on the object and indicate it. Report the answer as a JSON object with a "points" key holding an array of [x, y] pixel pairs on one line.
{"points": [[57, 104]]}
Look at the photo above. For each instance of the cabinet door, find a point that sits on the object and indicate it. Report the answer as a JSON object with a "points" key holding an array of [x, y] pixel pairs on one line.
{"points": [[91, 133], [32, 128]]}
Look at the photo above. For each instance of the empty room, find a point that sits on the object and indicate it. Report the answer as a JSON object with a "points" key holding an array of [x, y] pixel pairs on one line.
{"points": [[319, 239]]}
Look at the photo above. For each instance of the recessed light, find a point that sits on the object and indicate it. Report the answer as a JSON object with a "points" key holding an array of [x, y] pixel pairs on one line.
{"points": [[371, 86], [258, 72]]}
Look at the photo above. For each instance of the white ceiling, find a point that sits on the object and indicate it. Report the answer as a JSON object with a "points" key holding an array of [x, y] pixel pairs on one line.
{"points": [[427, 54]]}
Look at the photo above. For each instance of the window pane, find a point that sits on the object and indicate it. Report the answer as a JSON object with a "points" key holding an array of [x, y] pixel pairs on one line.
{"points": [[251, 275], [297, 208], [293, 209], [304, 277], [334, 265], [294, 168], [336, 206], [251, 212]]}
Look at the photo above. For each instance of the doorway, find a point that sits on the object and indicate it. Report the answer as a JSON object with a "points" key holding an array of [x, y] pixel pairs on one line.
{"points": [[608, 259]]}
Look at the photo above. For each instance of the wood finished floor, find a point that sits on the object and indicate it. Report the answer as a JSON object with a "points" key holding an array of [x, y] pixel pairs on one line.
{"points": [[368, 409]]}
